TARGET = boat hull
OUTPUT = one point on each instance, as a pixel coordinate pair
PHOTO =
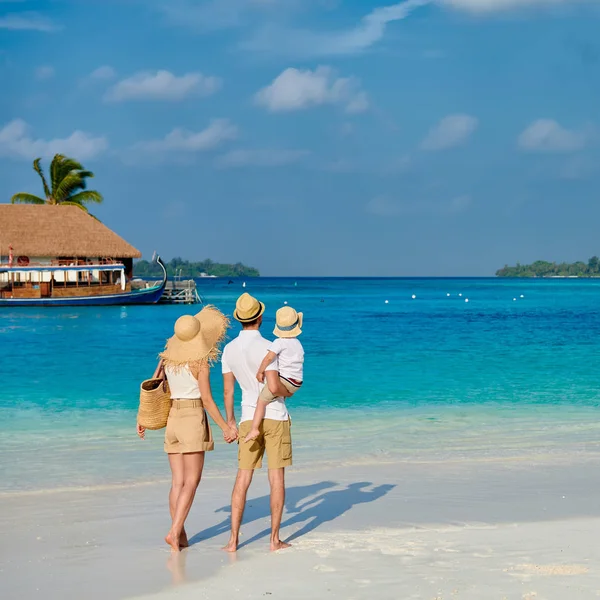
(148, 296)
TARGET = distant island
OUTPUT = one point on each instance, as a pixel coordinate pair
(185, 268)
(542, 268)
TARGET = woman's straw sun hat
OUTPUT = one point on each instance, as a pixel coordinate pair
(248, 309)
(197, 338)
(288, 323)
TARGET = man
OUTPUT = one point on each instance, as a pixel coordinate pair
(241, 360)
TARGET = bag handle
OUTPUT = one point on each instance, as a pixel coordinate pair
(159, 373)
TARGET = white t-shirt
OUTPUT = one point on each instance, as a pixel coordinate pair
(242, 357)
(290, 356)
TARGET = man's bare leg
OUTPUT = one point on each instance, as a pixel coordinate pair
(238, 503)
(259, 415)
(176, 463)
(192, 465)
(277, 482)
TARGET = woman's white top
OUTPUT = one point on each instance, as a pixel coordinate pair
(184, 386)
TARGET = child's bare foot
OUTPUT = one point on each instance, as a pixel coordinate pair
(173, 541)
(279, 545)
(254, 433)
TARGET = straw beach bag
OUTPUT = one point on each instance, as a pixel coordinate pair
(155, 402)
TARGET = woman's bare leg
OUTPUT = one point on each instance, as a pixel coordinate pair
(176, 464)
(192, 473)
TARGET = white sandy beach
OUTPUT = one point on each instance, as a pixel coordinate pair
(525, 529)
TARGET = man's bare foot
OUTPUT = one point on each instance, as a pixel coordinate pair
(254, 433)
(172, 541)
(279, 545)
(183, 540)
(231, 546)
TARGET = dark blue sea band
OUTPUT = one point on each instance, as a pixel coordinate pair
(288, 327)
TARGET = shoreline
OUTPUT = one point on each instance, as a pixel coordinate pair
(341, 520)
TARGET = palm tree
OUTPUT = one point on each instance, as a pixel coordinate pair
(67, 185)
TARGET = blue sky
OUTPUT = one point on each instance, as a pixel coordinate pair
(317, 137)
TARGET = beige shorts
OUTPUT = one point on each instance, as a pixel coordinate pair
(188, 429)
(275, 437)
(268, 397)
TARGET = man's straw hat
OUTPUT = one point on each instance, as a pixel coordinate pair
(248, 309)
(288, 323)
(197, 338)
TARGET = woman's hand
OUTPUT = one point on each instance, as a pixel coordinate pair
(230, 434)
(141, 431)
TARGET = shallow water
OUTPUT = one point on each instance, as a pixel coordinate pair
(513, 372)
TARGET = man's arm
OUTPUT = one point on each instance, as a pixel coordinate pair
(275, 386)
(228, 390)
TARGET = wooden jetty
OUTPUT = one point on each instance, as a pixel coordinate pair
(181, 292)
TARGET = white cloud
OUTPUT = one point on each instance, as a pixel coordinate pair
(44, 72)
(162, 85)
(372, 27)
(27, 21)
(15, 140)
(546, 135)
(451, 131)
(102, 73)
(260, 158)
(182, 140)
(490, 6)
(294, 89)
(383, 206)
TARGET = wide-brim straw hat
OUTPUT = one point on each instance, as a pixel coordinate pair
(197, 339)
(288, 323)
(248, 308)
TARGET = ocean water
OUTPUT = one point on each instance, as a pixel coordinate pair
(512, 374)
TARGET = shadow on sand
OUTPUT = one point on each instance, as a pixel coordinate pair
(302, 507)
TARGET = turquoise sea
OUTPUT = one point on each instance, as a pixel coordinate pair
(512, 374)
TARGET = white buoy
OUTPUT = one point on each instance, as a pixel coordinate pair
(514, 299)
(522, 296)
(448, 295)
(460, 295)
(387, 301)
(244, 284)
(285, 302)
(466, 299)
(413, 296)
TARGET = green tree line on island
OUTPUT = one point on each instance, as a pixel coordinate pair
(188, 269)
(542, 268)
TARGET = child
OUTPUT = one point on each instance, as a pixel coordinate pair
(290, 353)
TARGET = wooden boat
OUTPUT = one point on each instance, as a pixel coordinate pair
(81, 283)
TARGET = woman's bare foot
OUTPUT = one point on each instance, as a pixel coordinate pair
(173, 541)
(183, 540)
(231, 546)
(279, 545)
(252, 435)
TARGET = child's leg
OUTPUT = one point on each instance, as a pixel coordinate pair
(259, 415)
(266, 397)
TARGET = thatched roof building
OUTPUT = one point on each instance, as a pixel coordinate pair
(58, 231)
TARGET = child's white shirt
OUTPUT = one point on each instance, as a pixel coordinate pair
(290, 356)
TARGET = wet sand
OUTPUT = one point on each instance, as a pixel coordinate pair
(524, 529)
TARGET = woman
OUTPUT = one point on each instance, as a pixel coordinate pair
(186, 363)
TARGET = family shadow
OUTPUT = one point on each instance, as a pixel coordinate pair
(309, 506)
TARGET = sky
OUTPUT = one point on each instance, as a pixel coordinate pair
(317, 137)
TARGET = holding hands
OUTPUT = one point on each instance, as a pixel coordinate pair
(230, 433)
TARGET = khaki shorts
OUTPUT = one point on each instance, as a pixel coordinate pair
(187, 428)
(268, 397)
(275, 437)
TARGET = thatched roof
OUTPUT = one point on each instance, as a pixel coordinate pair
(51, 231)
